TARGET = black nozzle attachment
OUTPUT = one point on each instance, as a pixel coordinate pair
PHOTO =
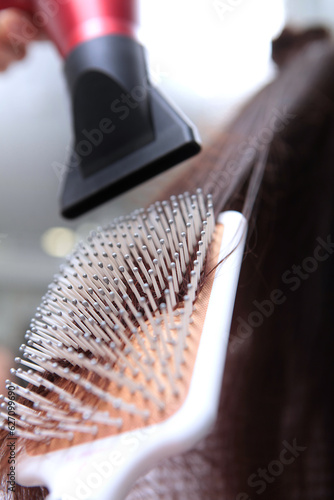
(125, 131)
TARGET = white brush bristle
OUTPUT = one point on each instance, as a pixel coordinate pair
(134, 281)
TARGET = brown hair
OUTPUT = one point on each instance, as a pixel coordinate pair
(278, 385)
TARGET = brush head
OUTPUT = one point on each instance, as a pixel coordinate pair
(136, 361)
(112, 346)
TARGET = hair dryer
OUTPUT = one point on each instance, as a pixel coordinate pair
(125, 131)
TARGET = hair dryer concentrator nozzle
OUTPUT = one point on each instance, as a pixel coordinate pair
(125, 131)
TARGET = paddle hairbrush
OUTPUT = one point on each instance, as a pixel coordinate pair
(125, 355)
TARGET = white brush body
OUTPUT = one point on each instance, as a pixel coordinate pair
(107, 469)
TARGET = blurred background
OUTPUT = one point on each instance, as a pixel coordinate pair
(207, 56)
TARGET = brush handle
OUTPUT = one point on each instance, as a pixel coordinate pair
(70, 23)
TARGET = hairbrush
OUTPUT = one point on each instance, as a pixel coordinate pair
(125, 355)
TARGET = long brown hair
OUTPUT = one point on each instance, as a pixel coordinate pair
(277, 398)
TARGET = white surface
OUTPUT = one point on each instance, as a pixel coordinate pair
(107, 469)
